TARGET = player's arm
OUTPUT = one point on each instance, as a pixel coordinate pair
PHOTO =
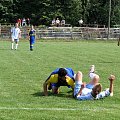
(11, 31)
(111, 79)
(20, 34)
(82, 87)
(45, 88)
(28, 35)
(109, 91)
(45, 85)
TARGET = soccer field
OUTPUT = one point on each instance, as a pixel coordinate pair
(22, 73)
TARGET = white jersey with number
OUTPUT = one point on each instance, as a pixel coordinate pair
(89, 96)
(15, 33)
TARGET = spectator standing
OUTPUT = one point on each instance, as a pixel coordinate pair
(57, 22)
(53, 22)
(19, 22)
(28, 22)
(63, 23)
(80, 22)
(23, 22)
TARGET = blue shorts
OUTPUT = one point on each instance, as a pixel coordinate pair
(89, 86)
(32, 41)
(56, 85)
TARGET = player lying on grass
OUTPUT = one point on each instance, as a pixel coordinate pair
(59, 77)
(81, 92)
(65, 77)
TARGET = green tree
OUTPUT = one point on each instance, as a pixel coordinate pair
(115, 14)
(72, 11)
(98, 12)
(42, 12)
(6, 11)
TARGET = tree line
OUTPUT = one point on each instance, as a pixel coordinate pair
(41, 12)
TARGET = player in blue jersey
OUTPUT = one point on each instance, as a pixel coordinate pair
(83, 92)
(32, 37)
(59, 77)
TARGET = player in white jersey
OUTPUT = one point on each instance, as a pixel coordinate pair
(92, 90)
(15, 34)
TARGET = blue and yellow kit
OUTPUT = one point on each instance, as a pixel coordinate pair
(53, 78)
(32, 36)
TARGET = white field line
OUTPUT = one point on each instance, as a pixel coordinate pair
(53, 109)
(49, 109)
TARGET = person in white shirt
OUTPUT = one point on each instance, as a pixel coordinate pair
(63, 23)
(80, 22)
(57, 22)
(53, 22)
(23, 22)
(83, 92)
(15, 34)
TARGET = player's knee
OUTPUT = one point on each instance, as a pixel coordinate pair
(96, 78)
(78, 75)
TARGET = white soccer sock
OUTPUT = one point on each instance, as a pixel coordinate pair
(16, 46)
(92, 75)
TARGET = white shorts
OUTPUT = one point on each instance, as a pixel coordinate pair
(15, 40)
(85, 91)
(77, 87)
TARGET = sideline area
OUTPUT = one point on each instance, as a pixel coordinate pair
(86, 33)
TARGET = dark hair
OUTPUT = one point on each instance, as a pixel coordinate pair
(62, 72)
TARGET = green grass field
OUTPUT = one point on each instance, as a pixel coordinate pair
(23, 72)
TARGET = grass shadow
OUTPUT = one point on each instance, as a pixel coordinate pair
(38, 94)
(4, 49)
(61, 94)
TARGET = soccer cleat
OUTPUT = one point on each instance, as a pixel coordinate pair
(92, 69)
(111, 94)
(31, 49)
